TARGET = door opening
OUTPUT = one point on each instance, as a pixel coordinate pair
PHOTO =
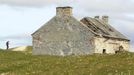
(104, 51)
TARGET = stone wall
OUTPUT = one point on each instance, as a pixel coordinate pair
(110, 45)
(63, 35)
(64, 11)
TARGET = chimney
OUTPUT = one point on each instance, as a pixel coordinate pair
(97, 17)
(64, 10)
(105, 19)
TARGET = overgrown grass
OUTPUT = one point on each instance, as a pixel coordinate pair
(18, 63)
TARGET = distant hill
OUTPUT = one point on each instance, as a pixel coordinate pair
(1, 49)
(22, 49)
(20, 63)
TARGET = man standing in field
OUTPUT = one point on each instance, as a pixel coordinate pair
(7, 45)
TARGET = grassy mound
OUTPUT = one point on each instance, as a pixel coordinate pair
(20, 63)
(27, 49)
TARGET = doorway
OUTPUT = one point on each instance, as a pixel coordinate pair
(104, 51)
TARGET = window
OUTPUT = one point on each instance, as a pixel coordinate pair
(121, 48)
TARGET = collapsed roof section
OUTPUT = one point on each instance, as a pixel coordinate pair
(102, 28)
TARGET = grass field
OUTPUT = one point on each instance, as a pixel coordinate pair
(21, 63)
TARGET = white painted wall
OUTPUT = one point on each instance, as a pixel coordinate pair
(111, 45)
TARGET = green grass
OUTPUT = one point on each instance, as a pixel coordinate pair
(20, 63)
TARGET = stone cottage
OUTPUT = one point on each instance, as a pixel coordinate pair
(65, 35)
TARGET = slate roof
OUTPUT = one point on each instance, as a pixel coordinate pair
(101, 28)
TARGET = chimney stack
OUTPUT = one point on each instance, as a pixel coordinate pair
(97, 17)
(105, 19)
(64, 10)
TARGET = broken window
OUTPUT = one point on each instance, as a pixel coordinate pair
(121, 48)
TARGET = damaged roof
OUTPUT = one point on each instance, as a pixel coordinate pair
(101, 28)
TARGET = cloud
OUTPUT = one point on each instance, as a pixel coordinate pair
(20, 36)
(90, 5)
(108, 5)
(35, 2)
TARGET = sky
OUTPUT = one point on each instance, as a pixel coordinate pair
(20, 18)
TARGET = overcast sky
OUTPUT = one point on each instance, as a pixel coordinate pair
(20, 18)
